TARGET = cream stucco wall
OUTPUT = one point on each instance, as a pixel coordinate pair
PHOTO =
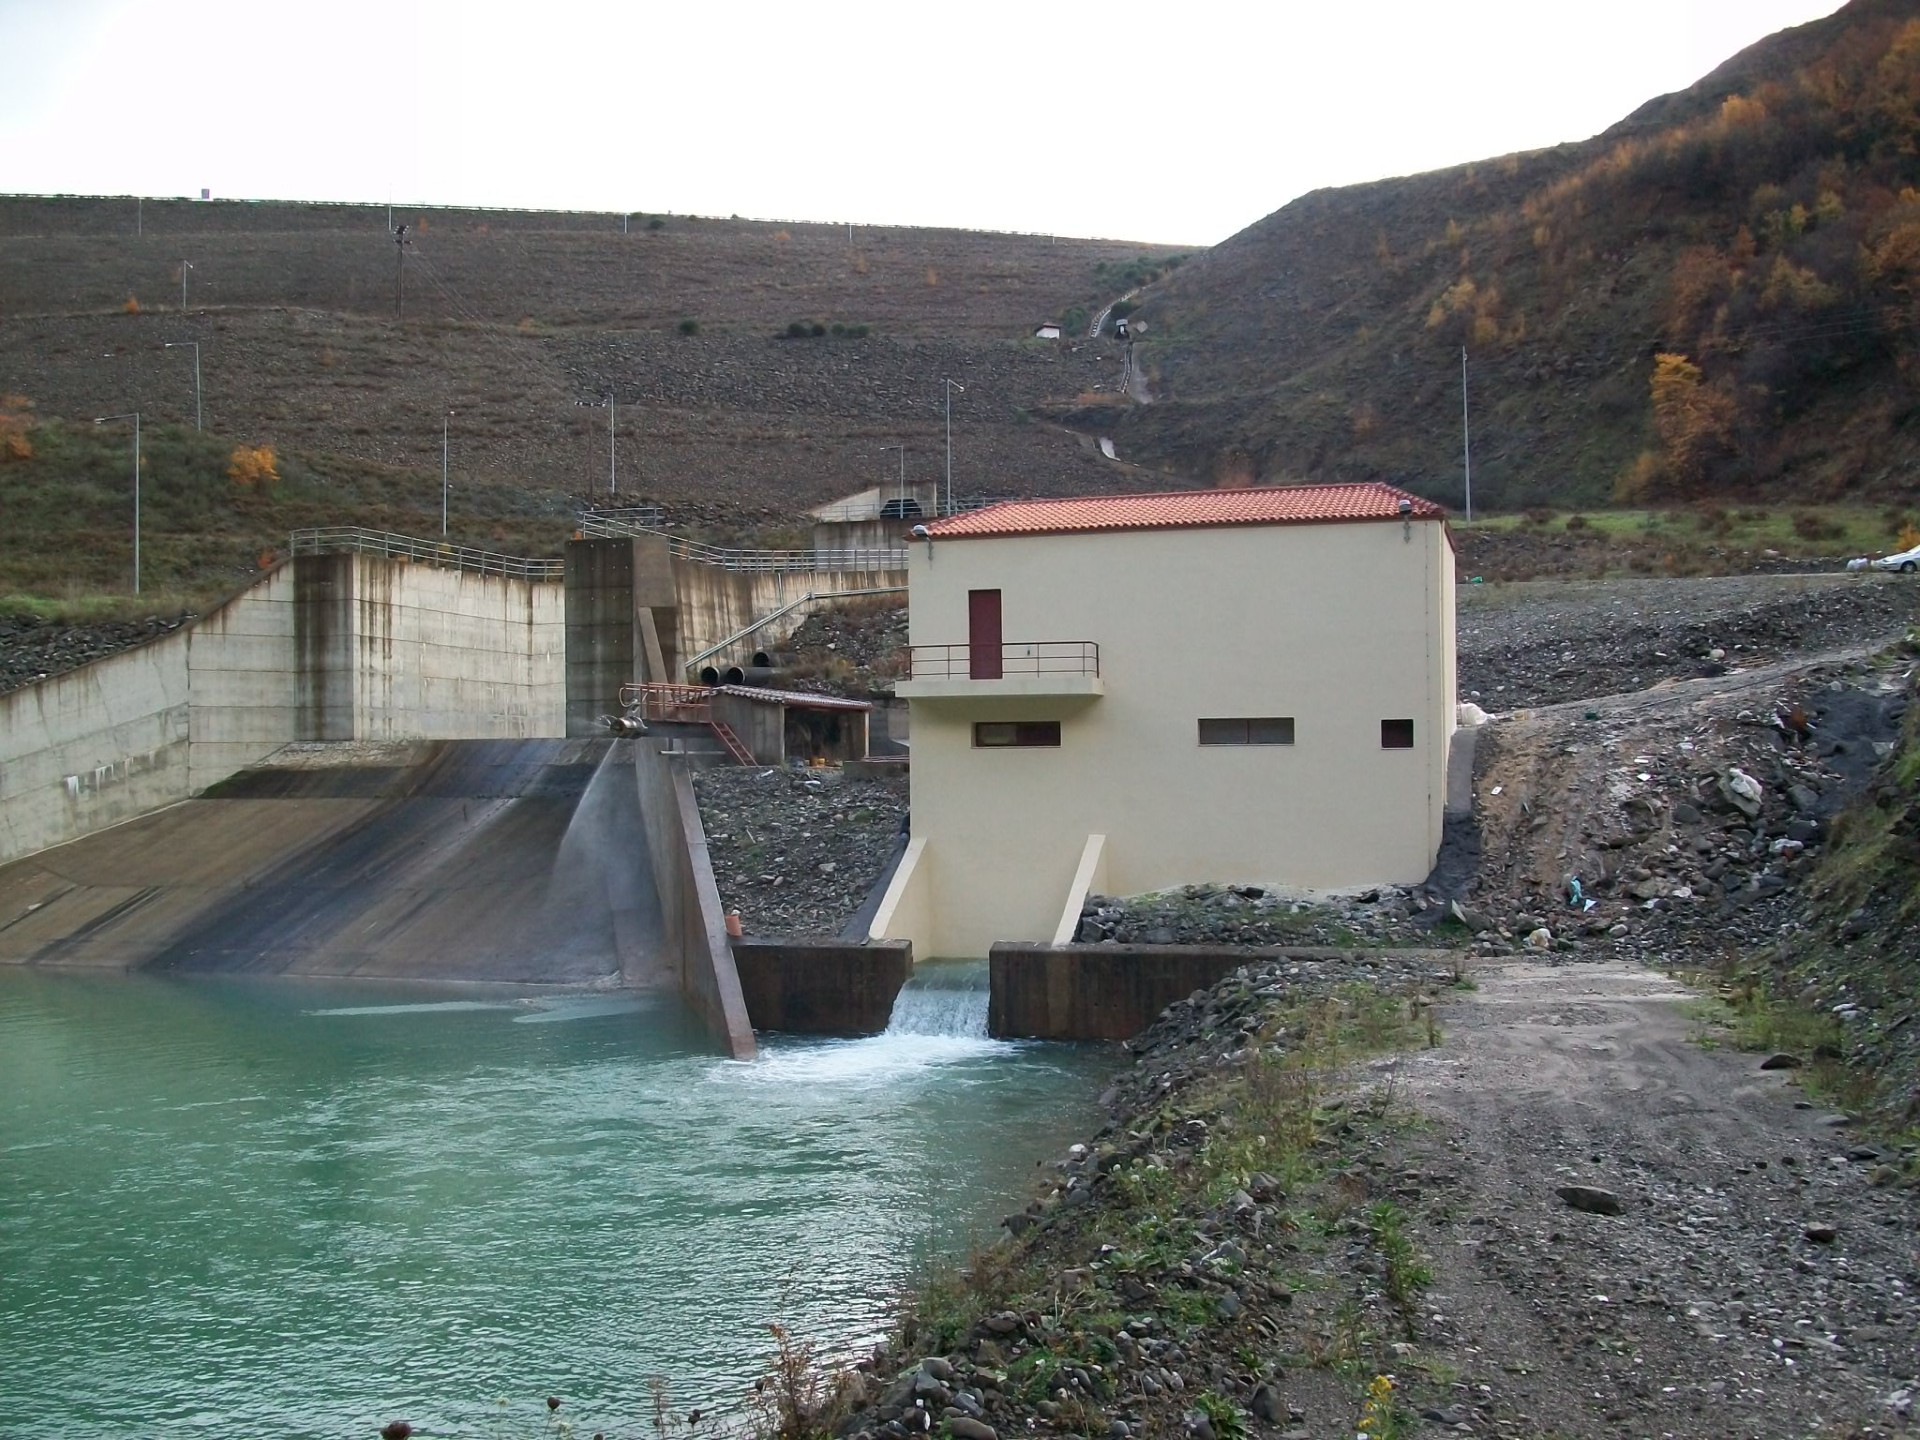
(1338, 626)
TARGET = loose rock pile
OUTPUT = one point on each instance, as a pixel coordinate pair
(796, 851)
(1654, 823)
(1252, 915)
(32, 649)
(855, 649)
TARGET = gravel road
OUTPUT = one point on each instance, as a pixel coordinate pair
(1761, 1278)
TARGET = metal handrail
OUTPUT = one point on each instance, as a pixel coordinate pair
(637, 514)
(763, 561)
(335, 539)
(810, 598)
(686, 703)
(1017, 657)
(852, 511)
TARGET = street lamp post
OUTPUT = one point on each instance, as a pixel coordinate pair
(1466, 434)
(445, 420)
(903, 466)
(184, 267)
(193, 345)
(948, 387)
(613, 479)
(133, 415)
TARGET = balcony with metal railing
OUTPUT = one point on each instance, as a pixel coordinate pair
(1019, 669)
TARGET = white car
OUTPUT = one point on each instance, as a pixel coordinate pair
(1907, 561)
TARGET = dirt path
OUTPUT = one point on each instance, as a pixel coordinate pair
(1713, 1305)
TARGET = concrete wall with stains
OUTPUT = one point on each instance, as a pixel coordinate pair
(330, 647)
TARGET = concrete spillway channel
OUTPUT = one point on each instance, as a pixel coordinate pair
(504, 860)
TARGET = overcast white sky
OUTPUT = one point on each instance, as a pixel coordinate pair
(1178, 122)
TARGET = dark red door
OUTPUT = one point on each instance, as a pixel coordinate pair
(983, 634)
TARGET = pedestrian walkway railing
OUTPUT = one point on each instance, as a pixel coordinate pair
(870, 558)
(341, 539)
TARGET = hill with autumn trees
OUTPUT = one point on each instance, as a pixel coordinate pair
(1715, 298)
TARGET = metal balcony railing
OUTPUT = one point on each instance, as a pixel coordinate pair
(1017, 657)
(338, 539)
(878, 558)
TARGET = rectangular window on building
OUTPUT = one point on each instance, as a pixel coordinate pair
(1000, 734)
(1396, 734)
(1255, 730)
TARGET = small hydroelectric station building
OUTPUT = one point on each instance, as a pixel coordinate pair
(1119, 694)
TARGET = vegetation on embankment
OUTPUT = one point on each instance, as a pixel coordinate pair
(1843, 993)
(1713, 298)
(212, 514)
(523, 324)
(1702, 539)
(1238, 1247)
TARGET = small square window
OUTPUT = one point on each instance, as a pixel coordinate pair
(1396, 734)
(1003, 734)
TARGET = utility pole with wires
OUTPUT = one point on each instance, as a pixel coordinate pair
(613, 477)
(948, 388)
(1466, 434)
(445, 420)
(199, 409)
(400, 273)
(184, 267)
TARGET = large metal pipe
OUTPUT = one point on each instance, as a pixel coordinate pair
(709, 675)
(762, 660)
(758, 675)
(734, 676)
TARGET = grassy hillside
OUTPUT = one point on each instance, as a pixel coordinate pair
(521, 325)
(1761, 230)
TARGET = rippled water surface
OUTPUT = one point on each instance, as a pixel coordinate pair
(286, 1208)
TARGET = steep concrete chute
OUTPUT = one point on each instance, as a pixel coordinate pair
(521, 861)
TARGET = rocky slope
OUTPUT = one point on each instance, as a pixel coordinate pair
(796, 851)
(32, 649)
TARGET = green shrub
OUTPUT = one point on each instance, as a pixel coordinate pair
(689, 326)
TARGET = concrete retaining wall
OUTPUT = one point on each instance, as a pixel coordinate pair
(712, 603)
(615, 588)
(821, 987)
(1111, 992)
(149, 726)
(693, 923)
(326, 647)
(450, 654)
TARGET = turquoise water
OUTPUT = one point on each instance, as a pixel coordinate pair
(287, 1208)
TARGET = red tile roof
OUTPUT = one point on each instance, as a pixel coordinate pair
(1178, 509)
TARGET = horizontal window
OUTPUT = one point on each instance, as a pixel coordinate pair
(998, 734)
(1254, 730)
(1396, 734)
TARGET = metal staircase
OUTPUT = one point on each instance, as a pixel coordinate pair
(732, 741)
